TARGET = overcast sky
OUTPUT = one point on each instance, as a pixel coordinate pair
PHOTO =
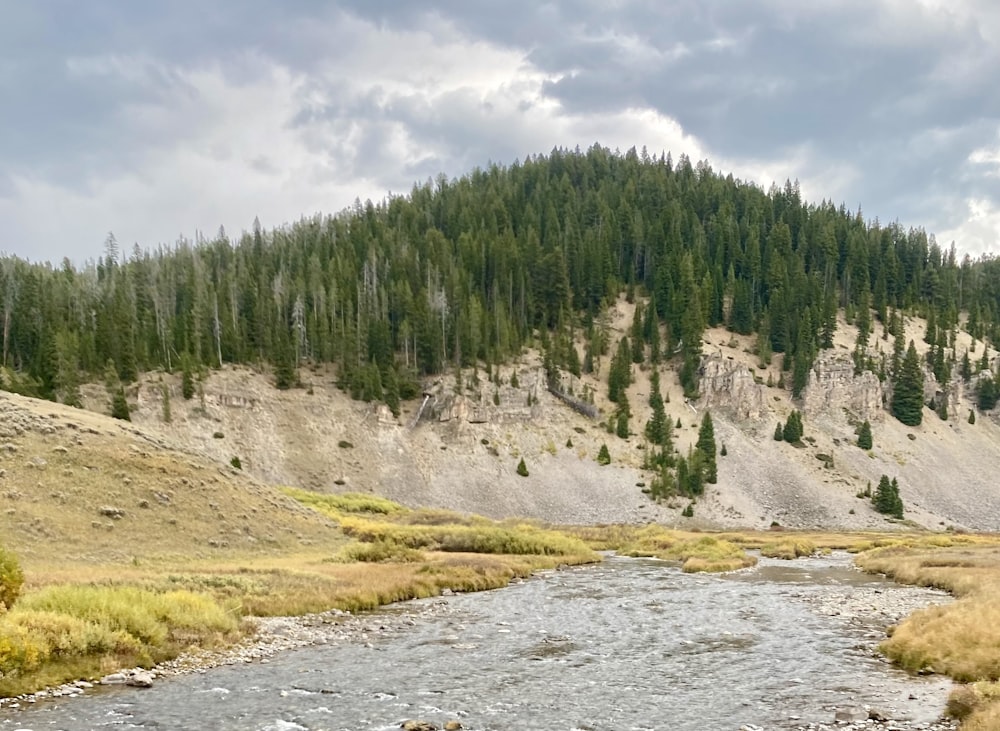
(156, 120)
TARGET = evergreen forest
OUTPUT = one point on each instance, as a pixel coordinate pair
(468, 271)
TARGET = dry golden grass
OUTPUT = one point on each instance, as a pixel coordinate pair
(790, 548)
(697, 552)
(961, 639)
(81, 616)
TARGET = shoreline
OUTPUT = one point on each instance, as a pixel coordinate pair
(869, 608)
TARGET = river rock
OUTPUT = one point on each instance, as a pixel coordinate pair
(140, 679)
(850, 715)
(452, 726)
(113, 679)
(412, 725)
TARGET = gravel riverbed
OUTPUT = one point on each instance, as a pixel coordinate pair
(867, 608)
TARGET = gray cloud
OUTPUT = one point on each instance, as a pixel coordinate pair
(297, 106)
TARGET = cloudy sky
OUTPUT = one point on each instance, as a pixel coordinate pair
(157, 120)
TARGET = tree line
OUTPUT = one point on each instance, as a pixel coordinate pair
(467, 271)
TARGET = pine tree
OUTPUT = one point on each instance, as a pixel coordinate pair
(897, 501)
(119, 405)
(966, 368)
(187, 377)
(908, 390)
(865, 435)
(779, 433)
(886, 498)
(165, 403)
(621, 423)
(972, 416)
(792, 432)
(883, 499)
(619, 374)
(987, 393)
(706, 445)
(603, 455)
(522, 468)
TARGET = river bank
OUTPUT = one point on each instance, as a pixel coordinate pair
(866, 609)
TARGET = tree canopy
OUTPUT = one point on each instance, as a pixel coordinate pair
(468, 270)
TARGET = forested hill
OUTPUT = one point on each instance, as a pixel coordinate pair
(467, 271)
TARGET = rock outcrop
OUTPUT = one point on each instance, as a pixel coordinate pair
(834, 388)
(730, 387)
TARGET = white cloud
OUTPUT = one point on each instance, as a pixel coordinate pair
(979, 229)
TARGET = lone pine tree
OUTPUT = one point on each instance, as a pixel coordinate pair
(865, 435)
(706, 445)
(908, 390)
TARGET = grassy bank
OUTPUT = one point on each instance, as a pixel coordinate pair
(961, 639)
(82, 621)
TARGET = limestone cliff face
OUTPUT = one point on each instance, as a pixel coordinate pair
(477, 404)
(833, 388)
(729, 386)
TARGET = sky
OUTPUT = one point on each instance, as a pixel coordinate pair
(156, 121)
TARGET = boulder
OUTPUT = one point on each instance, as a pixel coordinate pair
(413, 725)
(140, 679)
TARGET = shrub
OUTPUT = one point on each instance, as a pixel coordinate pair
(379, 551)
(11, 579)
(522, 468)
(235, 462)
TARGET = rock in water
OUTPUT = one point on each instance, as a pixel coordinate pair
(412, 725)
(141, 679)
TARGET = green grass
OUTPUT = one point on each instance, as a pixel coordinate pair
(351, 502)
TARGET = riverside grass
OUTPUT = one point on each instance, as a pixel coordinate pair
(59, 632)
(75, 622)
(960, 639)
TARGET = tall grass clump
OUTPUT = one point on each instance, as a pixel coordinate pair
(351, 502)
(65, 632)
(489, 538)
(789, 549)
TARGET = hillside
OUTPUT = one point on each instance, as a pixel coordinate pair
(81, 488)
(463, 452)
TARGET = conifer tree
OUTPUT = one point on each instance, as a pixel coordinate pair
(706, 445)
(792, 433)
(522, 468)
(603, 455)
(908, 390)
(779, 433)
(865, 435)
(886, 498)
(619, 374)
(987, 393)
(187, 377)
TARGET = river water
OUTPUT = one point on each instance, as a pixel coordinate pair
(629, 644)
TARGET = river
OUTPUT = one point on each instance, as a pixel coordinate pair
(628, 644)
